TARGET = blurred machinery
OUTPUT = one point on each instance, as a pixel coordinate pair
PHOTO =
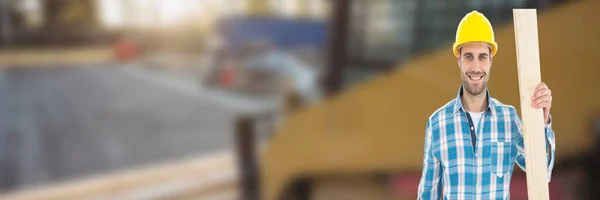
(266, 56)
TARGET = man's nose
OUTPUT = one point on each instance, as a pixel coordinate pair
(478, 65)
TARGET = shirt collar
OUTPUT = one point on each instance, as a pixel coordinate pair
(459, 106)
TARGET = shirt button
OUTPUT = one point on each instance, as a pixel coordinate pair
(471, 128)
(476, 154)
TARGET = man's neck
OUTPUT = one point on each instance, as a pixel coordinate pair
(474, 103)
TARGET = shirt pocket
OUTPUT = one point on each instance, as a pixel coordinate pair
(500, 157)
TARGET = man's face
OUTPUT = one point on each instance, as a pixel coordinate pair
(475, 62)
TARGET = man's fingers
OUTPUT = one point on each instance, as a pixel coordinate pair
(545, 104)
(540, 86)
(542, 99)
(540, 93)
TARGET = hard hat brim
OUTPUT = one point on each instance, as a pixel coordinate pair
(456, 47)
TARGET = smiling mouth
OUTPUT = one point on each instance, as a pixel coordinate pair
(475, 78)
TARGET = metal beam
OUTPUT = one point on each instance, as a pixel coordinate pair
(247, 158)
(6, 22)
(338, 43)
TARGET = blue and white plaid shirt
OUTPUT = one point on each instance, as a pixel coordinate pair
(454, 169)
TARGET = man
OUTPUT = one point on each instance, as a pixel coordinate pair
(473, 141)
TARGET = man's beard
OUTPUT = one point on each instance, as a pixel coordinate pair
(472, 90)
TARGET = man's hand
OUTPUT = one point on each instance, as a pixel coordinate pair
(542, 98)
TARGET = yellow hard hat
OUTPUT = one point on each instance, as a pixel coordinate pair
(474, 27)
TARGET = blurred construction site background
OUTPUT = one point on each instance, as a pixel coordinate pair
(265, 99)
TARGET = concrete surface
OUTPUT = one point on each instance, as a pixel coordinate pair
(62, 123)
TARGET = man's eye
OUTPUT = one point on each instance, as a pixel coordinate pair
(469, 57)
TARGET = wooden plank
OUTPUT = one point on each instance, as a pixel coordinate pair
(197, 177)
(41, 58)
(528, 64)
